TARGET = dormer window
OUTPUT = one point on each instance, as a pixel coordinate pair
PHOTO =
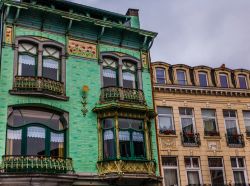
(160, 75)
(181, 77)
(203, 79)
(224, 80)
(242, 81)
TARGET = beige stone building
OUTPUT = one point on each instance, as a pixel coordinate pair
(203, 124)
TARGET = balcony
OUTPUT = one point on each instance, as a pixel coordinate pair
(36, 164)
(24, 85)
(167, 132)
(235, 141)
(211, 133)
(190, 139)
(122, 94)
(126, 167)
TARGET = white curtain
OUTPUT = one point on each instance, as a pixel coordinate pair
(170, 177)
(128, 76)
(58, 138)
(14, 134)
(124, 136)
(239, 177)
(193, 177)
(50, 63)
(137, 136)
(26, 59)
(36, 132)
(231, 126)
(108, 135)
(109, 73)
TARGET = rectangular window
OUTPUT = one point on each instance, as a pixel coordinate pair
(246, 115)
(203, 79)
(160, 75)
(242, 81)
(231, 122)
(239, 171)
(26, 65)
(51, 69)
(165, 120)
(224, 80)
(216, 171)
(187, 120)
(181, 77)
(209, 121)
(192, 165)
(170, 170)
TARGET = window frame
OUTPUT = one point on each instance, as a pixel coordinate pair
(217, 168)
(171, 116)
(210, 117)
(162, 78)
(163, 167)
(188, 117)
(185, 77)
(206, 75)
(227, 78)
(115, 69)
(192, 168)
(231, 118)
(238, 168)
(245, 79)
(246, 118)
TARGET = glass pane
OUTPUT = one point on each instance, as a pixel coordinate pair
(187, 162)
(109, 77)
(233, 162)
(181, 77)
(217, 177)
(229, 113)
(209, 124)
(27, 65)
(138, 142)
(242, 81)
(239, 177)
(223, 81)
(108, 144)
(231, 127)
(203, 79)
(171, 177)
(51, 69)
(128, 80)
(193, 177)
(164, 110)
(108, 123)
(160, 75)
(169, 161)
(186, 111)
(208, 113)
(165, 123)
(241, 162)
(246, 114)
(195, 162)
(57, 144)
(187, 125)
(130, 123)
(124, 141)
(36, 141)
(215, 162)
(14, 139)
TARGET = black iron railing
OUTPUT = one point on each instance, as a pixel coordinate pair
(235, 140)
(122, 94)
(38, 84)
(190, 139)
(36, 164)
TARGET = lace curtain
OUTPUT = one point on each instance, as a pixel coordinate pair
(14, 134)
(128, 76)
(27, 60)
(109, 73)
(57, 138)
(124, 136)
(50, 63)
(137, 136)
(36, 132)
(108, 135)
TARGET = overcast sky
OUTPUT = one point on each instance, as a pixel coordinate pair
(192, 32)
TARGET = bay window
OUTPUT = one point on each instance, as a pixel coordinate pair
(34, 131)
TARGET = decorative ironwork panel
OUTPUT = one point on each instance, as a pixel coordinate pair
(190, 139)
(37, 164)
(39, 84)
(120, 167)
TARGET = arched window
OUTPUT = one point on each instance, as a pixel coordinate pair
(35, 131)
(51, 63)
(109, 72)
(129, 75)
(27, 59)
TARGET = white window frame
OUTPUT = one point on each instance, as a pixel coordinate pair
(245, 77)
(246, 118)
(210, 117)
(164, 74)
(193, 169)
(232, 118)
(205, 73)
(226, 75)
(188, 117)
(235, 169)
(171, 168)
(166, 115)
(217, 168)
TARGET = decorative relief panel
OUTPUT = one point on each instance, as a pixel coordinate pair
(213, 145)
(8, 35)
(82, 49)
(145, 60)
(167, 143)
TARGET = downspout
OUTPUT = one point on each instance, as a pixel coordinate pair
(1, 35)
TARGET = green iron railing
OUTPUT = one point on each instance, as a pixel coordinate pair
(36, 164)
(39, 84)
(122, 94)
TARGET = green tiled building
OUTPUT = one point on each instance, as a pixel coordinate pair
(76, 102)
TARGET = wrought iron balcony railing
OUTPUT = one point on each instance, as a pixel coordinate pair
(122, 94)
(190, 139)
(167, 132)
(38, 84)
(235, 141)
(211, 133)
(128, 166)
(36, 164)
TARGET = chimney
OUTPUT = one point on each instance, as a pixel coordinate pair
(134, 17)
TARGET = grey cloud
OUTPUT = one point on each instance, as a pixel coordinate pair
(194, 32)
